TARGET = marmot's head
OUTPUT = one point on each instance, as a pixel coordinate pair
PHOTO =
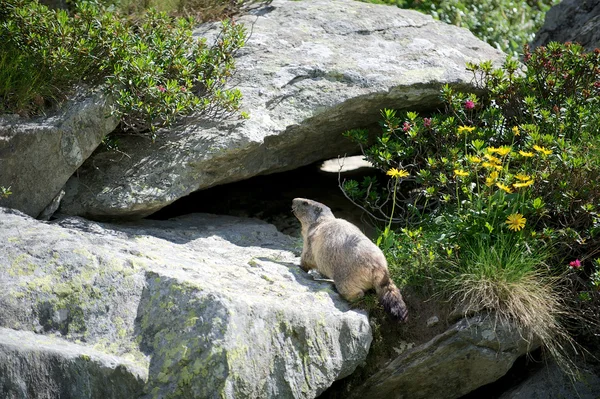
(309, 211)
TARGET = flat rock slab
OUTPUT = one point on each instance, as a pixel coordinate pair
(472, 353)
(37, 156)
(208, 306)
(39, 366)
(310, 71)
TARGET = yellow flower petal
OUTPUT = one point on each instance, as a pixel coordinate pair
(504, 187)
(474, 159)
(491, 179)
(516, 131)
(491, 166)
(523, 184)
(460, 173)
(522, 177)
(515, 222)
(463, 129)
(492, 158)
(526, 154)
(543, 150)
(503, 151)
(395, 173)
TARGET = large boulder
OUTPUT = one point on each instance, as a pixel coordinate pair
(571, 21)
(37, 156)
(195, 307)
(310, 70)
(473, 352)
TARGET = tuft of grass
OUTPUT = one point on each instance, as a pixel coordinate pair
(512, 280)
(22, 84)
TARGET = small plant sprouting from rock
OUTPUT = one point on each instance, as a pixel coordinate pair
(5, 192)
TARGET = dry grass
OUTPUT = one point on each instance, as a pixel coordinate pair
(512, 282)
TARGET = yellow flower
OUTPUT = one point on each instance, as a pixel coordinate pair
(503, 151)
(490, 165)
(395, 173)
(522, 177)
(504, 187)
(492, 158)
(516, 131)
(515, 222)
(463, 129)
(460, 173)
(474, 159)
(523, 184)
(491, 179)
(543, 150)
(526, 154)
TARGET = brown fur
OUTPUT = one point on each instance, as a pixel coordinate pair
(339, 250)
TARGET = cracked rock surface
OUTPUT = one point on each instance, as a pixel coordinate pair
(310, 71)
(200, 306)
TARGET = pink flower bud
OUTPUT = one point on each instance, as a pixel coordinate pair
(576, 264)
(469, 104)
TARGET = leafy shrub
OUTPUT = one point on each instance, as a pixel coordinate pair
(161, 73)
(530, 149)
(203, 10)
(505, 24)
(151, 66)
(494, 195)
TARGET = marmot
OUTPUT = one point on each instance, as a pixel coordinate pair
(339, 250)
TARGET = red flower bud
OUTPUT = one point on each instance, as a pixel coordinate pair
(576, 264)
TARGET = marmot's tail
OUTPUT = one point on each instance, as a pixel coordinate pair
(389, 296)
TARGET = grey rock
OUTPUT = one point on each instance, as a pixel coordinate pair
(209, 306)
(551, 382)
(432, 321)
(310, 71)
(37, 156)
(38, 366)
(571, 21)
(474, 352)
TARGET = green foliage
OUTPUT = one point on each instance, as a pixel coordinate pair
(162, 73)
(505, 24)
(493, 195)
(151, 66)
(530, 149)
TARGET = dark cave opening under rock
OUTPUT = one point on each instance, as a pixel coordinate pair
(269, 197)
